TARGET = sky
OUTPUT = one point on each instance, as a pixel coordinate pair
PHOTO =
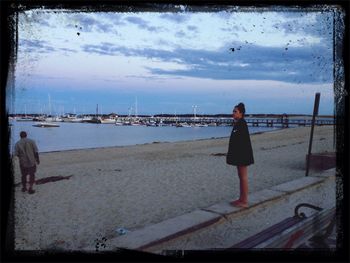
(272, 60)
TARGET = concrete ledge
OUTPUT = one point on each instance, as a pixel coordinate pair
(325, 174)
(225, 209)
(297, 185)
(248, 222)
(264, 196)
(176, 228)
(164, 231)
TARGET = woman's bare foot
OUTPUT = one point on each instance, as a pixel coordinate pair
(235, 202)
(239, 203)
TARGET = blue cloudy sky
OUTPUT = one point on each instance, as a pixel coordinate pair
(273, 61)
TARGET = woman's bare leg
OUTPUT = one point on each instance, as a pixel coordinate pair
(243, 187)
(243, 183)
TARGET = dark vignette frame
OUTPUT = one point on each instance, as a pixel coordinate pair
(9, 10)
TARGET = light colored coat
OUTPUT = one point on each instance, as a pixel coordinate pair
(26, 150)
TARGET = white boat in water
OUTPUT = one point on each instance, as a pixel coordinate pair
(119, 123)
(200, 125)
(108, 121)
(53, 119)
(183, 124)
(39, 118)
(24, 118)
(46, 125)
(151, 123)
(71, 119)
(136, 123)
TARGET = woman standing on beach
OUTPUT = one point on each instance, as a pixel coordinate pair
(240, 153)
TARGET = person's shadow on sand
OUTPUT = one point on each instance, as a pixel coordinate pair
(50, 179)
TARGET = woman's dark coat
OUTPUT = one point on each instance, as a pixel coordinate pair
(240, 148)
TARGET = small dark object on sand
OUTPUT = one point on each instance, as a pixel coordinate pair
(219, 154)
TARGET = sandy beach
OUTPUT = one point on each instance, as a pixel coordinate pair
(135, 186)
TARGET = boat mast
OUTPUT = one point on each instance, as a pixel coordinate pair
(194, 110)
(49, 104)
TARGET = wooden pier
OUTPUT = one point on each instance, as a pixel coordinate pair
(285, 123)
(255, 122)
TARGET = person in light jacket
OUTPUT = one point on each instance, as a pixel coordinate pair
(27, 152)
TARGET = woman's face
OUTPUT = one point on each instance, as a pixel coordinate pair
(236, 114)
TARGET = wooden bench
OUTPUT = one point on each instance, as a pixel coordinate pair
(293, 231)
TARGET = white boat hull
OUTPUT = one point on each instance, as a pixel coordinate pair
(108, 121)
(46, 125)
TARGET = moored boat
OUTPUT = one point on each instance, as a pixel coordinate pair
(94, 120)
(71, 118)
(200, 125)
(183, 124)
(46, 125)
(118, 122)
(24, 118)
(108, 121)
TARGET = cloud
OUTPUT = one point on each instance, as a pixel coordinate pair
(44, 23)
(39, 18)
(231, 30)
(141, 23)
(311, 64)
(180, 34)
(87, 23)
(176, 17)
(38, 46)
(68, 50)
(192, 28)
(112, 17)
(259, 63)
(318, 25)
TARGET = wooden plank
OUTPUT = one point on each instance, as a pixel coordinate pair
(268, 233)
(289, 233)
(300, 232)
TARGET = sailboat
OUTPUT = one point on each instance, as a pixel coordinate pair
(48, 121)
(25, 117)
(135, 120)
(95, 119)
(71, 118)
(111, 119)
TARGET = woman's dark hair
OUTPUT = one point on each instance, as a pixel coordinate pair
(240, 106)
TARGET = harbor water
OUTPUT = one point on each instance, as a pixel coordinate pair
(70, 136)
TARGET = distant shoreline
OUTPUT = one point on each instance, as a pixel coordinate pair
(220, 115)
